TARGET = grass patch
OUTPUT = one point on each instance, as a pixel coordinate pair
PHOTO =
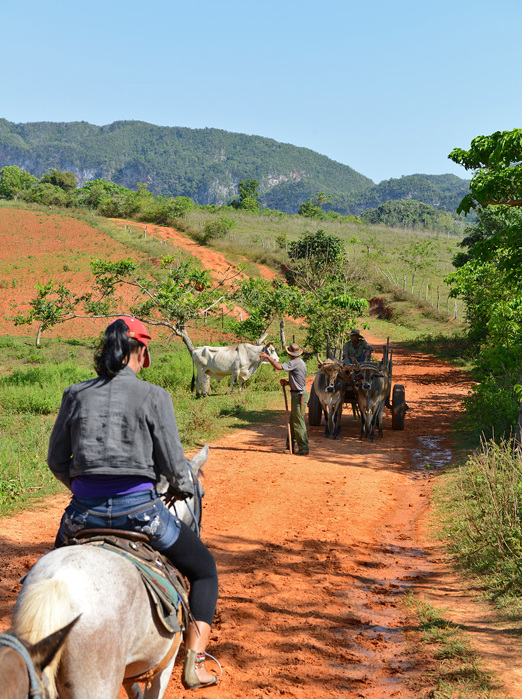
(451, 667)
(24, 475)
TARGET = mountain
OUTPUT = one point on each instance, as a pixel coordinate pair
(440, 191)
(207, 164)
(204, 164)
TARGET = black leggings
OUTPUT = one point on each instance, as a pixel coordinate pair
(192, 558)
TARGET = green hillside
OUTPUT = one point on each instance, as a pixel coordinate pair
(207, 164)
(204, 164)
(440, 191)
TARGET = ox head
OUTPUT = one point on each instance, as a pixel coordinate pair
(332, 370)
(363, 374)
(270, 350)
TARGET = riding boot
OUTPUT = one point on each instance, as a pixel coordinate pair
(190, 679)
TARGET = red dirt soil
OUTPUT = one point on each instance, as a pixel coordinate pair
(211, 259)
(38, 246)
(315, 553)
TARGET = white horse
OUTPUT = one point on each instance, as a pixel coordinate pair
(117, 638)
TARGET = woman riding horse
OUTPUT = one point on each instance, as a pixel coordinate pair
(114, 438)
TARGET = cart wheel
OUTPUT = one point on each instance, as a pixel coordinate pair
(315, 412)
(398, 407)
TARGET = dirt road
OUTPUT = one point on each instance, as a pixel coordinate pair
(314, 553)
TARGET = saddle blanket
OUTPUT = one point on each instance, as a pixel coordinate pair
(164, 583)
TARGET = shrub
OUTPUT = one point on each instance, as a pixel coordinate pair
(216, 228)
(485, 515)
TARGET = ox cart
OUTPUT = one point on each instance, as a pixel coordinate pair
(395, 401)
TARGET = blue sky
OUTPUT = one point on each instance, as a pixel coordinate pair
(388, 88)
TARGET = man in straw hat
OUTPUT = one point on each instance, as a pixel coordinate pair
(297, 381)
(356, 348)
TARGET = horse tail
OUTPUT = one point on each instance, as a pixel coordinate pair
(43, 608)
(193, 382)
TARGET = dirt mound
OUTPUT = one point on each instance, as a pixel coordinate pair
(379, 308)
(38, 246)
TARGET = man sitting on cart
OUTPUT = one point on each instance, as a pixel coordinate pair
(356, 349)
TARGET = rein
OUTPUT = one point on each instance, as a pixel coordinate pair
(37, 686)
(196, 512)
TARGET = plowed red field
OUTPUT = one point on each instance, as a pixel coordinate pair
(38, 246)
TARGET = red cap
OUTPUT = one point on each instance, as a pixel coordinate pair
(139, 332)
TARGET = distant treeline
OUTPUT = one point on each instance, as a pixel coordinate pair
(105, 198)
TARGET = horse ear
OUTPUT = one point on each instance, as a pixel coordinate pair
(44, 651)
(197, 462)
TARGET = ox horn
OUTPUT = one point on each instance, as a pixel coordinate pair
(319, 360)
(261, 339)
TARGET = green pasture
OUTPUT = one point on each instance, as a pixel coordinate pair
(374, 250)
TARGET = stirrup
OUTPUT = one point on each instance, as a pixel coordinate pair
(193, 660)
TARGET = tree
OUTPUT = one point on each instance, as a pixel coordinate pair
(312, 206)
(216, 228)
(56, 303)
(496, 162)
(417, 256)
(248, 196)
(489, 277)
(181, 294)
(107, 198)
(48, 195)
(266, 300)
(329, 315)
(64, 180)
(331, 302)
(315, 259)
(15, 182)
(411, 214)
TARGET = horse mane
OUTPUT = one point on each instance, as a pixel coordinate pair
(41, 609)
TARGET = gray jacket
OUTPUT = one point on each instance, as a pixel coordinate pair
(121, 426)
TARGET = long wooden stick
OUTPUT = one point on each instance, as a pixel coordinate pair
(288, 421)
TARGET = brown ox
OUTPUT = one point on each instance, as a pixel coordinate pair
(329, 387)
(372, 384)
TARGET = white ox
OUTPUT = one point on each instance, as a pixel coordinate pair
(239, 361)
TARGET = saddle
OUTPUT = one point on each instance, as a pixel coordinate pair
(165, 585)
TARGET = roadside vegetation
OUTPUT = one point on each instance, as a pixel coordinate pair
(452, 669)
(479, 496)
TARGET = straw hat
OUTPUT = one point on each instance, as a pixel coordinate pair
(294, 350)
